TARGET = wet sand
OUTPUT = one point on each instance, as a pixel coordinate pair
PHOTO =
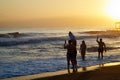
(102, 73)
(109, 71)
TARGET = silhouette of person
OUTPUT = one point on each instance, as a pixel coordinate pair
(74, 42)
(101, 48)
(83, 50)
(70, 56)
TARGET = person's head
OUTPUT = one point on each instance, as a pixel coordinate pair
(70, 32)
(83, 42)
(100, 39)
(69, 41)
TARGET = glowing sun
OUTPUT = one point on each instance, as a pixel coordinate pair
(113, 8)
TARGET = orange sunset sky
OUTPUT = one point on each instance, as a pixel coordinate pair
(58, 13)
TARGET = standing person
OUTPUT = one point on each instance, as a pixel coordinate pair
(101, 48)
(83, 50)
(74, 42)
(70, 56)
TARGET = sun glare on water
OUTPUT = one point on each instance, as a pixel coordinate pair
(113, 8)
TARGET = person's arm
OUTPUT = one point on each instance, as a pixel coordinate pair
(97, 39)
(65, 45)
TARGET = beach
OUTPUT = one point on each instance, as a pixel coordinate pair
(38, 39)
(104, 73)
(108, 71)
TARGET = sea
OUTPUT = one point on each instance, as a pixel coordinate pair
(40, 50)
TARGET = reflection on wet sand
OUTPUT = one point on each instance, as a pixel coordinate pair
(61, 72)
(101, 65)
(83, 69)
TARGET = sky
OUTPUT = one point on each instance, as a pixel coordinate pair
(54, 13)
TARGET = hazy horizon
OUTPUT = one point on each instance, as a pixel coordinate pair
(57, 13)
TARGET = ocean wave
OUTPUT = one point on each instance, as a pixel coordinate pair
(106, 34)
(29, 38)
(95, 49)
(49, 55)
(16, 38)
(11, 42)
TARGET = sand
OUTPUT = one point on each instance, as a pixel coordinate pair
(109, 71)
(103, 73)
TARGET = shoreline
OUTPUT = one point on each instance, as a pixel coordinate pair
(103, 73)
(41, 76)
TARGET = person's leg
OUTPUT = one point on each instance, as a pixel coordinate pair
(84, 57)
(73, 65)
(99, 50)
(73, 68)
(68, 65)
(98, 55)
(102, 55)
(74, 61)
